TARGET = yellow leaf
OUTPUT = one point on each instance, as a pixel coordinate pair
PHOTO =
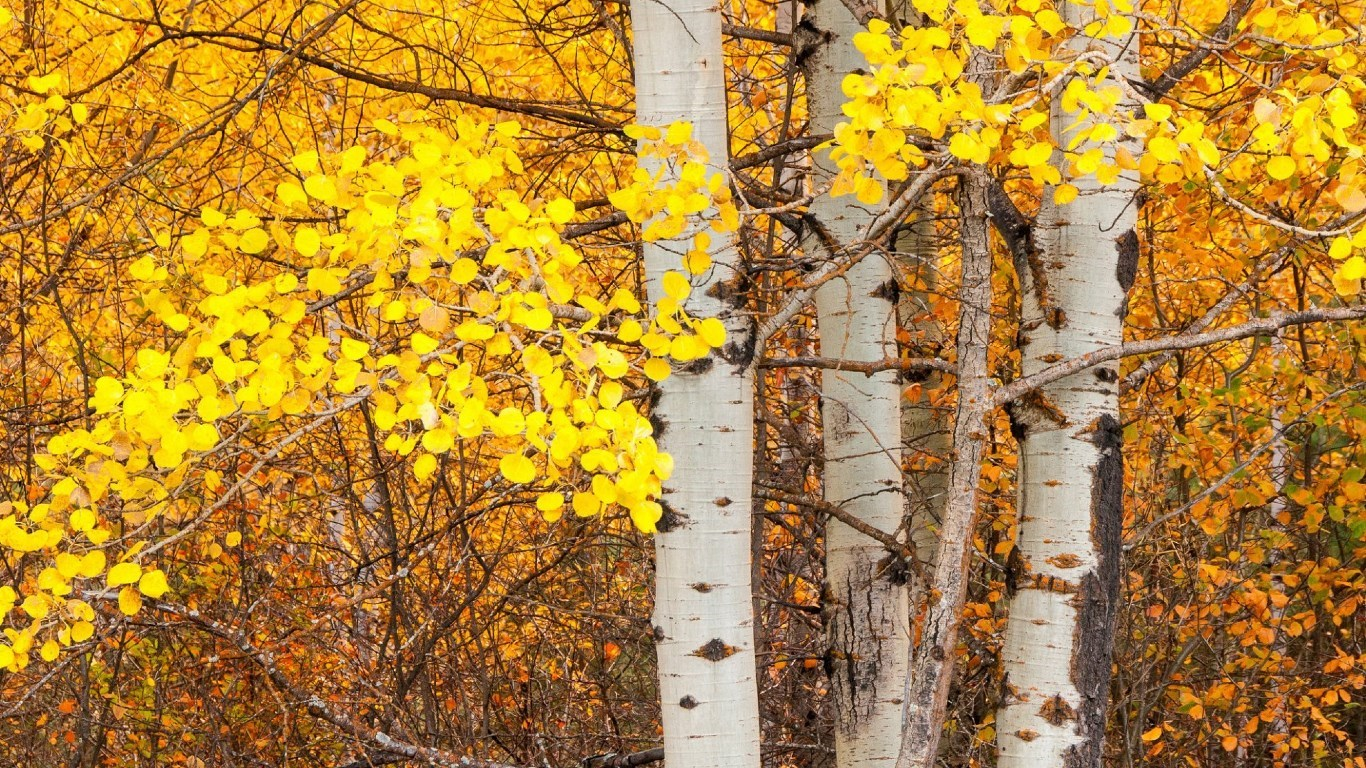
(211, 217)
(560, 211)
(678, 134)
(35, 606)
(233, 538)
(354, 349)
(123, 573)
(307, 241)
(586, 504)
(1353, 268)
(153, 584)
(712, 331)
(1049, 21)
(1158, 112)
(1280, 167)
(1153, 734)
(1341, 248)
(50, 650)
(676, 286)
(130, 601)
(321, 188)
(424, 466)
(1351, 198)
(657, 369)
(438, 440)
(1064, 194)
(517, 468)
(82, 631)
(423, 344)
(92, 564)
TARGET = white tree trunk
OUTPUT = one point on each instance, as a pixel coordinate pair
(704, 617)
(866, 620)
(1065, 567)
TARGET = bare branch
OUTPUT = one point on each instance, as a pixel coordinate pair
(1258, 327)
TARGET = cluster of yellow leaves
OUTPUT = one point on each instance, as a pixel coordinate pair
(916, 101)
(478, 323)
(49, 116)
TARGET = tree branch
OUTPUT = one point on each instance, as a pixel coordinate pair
(860, 366)
(1257, 327)
(1218, 38)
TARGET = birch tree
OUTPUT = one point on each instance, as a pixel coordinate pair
(865, 592)
(1065, 570)
(703, 621)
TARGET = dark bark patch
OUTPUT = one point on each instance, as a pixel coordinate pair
(1106, 374)
(1098, 599)
(715, 650)
(889, 291)
(1126, 267)
(732, 292)
(1057, 711)
(894, 569)
(739, 352)
(723, 501)
(1067, 560)
(670, 519)
(687, 702)
(699, 366)
(1026, 734)
(657, 633)
(1031, 411)
(701, 586)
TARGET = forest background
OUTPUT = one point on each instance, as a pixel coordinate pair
(339, 336)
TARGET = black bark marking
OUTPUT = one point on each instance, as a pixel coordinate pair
(894, 569)
(740, 352)
(889, 291)
(670, 519)
(657, 633)
(1126, 267)
(1031, 411)
(1057, 711)
(699, 366)
(715, 650)
(1098, 600)
(732, 292)
(807, 40)
(687, 702)
(1106, 374)
(701, 586)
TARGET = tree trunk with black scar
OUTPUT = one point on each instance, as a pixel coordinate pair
(865, 596)
(704, 613)
(1066, 570)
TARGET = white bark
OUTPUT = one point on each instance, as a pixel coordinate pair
(1065, 569)
(867, 626)
(704, 618)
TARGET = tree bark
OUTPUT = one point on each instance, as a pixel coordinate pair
(931, 670)
(1065, 570)
(704, 616)
(865, 601)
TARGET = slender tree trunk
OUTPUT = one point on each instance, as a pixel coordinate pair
(704, 615)
(925, 422)
(931, 671)
(865, 600)
(1065, 567)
